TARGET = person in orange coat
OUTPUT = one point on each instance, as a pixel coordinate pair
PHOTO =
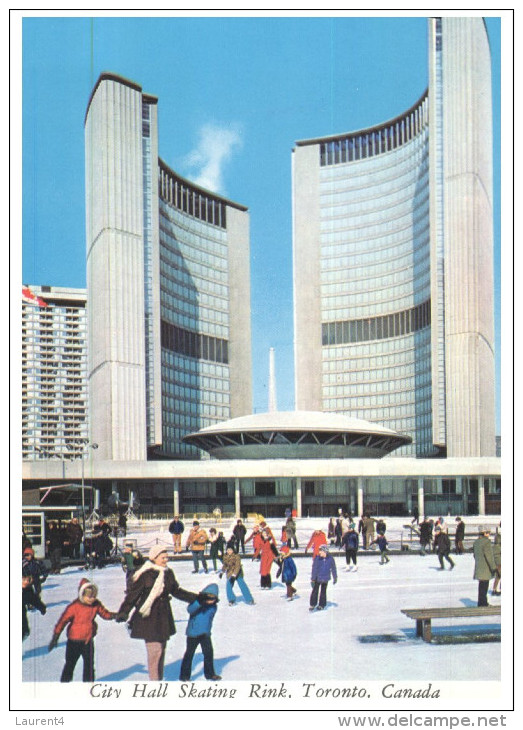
(80, 615)
(318, 539)
(268, 551)
(255, 536)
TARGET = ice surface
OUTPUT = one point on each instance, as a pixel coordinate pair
(361, 635)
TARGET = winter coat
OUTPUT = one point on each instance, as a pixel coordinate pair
(331, 529)
(350, 540)
(239, 531)
(484, 561)
(496, 549)
(55, 538)
(425, 532)
(37, 572)
(323, 568)
(460, 532)
(217, 545)
(197, 539)
(176, 527)
(289, 570)
(74, 533)
(442, 543)
(290, 528)
(158, 624)
(232, 565)
(369, 524)
(201, 616)
(266, 550)
(381, 541)
(317, 540)
(79, 617)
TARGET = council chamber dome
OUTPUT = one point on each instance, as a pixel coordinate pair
(297, 435)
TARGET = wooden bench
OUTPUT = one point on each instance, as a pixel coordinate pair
(424, 616)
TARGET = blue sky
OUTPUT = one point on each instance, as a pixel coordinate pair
(234, 95)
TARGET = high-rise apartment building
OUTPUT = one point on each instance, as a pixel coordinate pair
(54, 374)
(393, 260)
(168, 282)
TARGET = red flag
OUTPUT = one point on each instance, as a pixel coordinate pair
(28, 296)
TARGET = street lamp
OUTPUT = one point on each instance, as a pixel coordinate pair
(84, 452)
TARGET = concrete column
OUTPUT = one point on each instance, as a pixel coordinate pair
(237, 506)
(360, 496)
(481, 495)
(421, 499)
(96, 502)
(298, 496)
(176, 497)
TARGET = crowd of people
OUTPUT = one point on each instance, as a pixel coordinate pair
(150, 582)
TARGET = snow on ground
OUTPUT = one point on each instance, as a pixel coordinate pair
(362, 634)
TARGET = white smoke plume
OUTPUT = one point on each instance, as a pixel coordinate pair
(216, 145)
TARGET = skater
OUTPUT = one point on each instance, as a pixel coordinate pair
(496, 549)
(30, 599)
(55, 545)
(323, 567)
(350, 542)
(79, 617)
(36, 569)
(442, 542)
(459, 536)
(232, 567)
(255, 536)
(217, 542)
(338, 532)
(288, 571)
(381, 526)
(362, 530)
(370, 523)
(176, 528)
(290, 529)
(74, 534)
(196, 544)
(267, 551)
(318, 539)
(484, 563)
(152, 619)
(239, 533)
(415, 516)
(132, 559)
(331, 531)
(201, 612)
(382, 542)
(425, 535)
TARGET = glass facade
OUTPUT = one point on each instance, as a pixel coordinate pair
(375, 277)
(194, 296)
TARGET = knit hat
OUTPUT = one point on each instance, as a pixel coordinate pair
(29, 551)
(155, 551)
(84, 585)
(324, 548)
(195, 523)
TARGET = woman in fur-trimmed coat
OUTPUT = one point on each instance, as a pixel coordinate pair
(152, 619)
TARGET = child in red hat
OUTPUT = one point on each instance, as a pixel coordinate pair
(80, 615)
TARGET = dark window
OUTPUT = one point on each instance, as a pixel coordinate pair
(309, 489)
(221, 489)
(265, 489)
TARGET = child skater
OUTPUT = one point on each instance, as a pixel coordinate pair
(323, 567)
(201, 612)
(217, 541)
(232, 567)
(382, 543)
(80, 615)
(287, 570)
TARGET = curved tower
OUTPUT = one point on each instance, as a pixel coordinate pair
(392, 241)
(168, 288)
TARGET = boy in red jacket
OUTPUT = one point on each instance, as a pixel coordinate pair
(80, 615)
